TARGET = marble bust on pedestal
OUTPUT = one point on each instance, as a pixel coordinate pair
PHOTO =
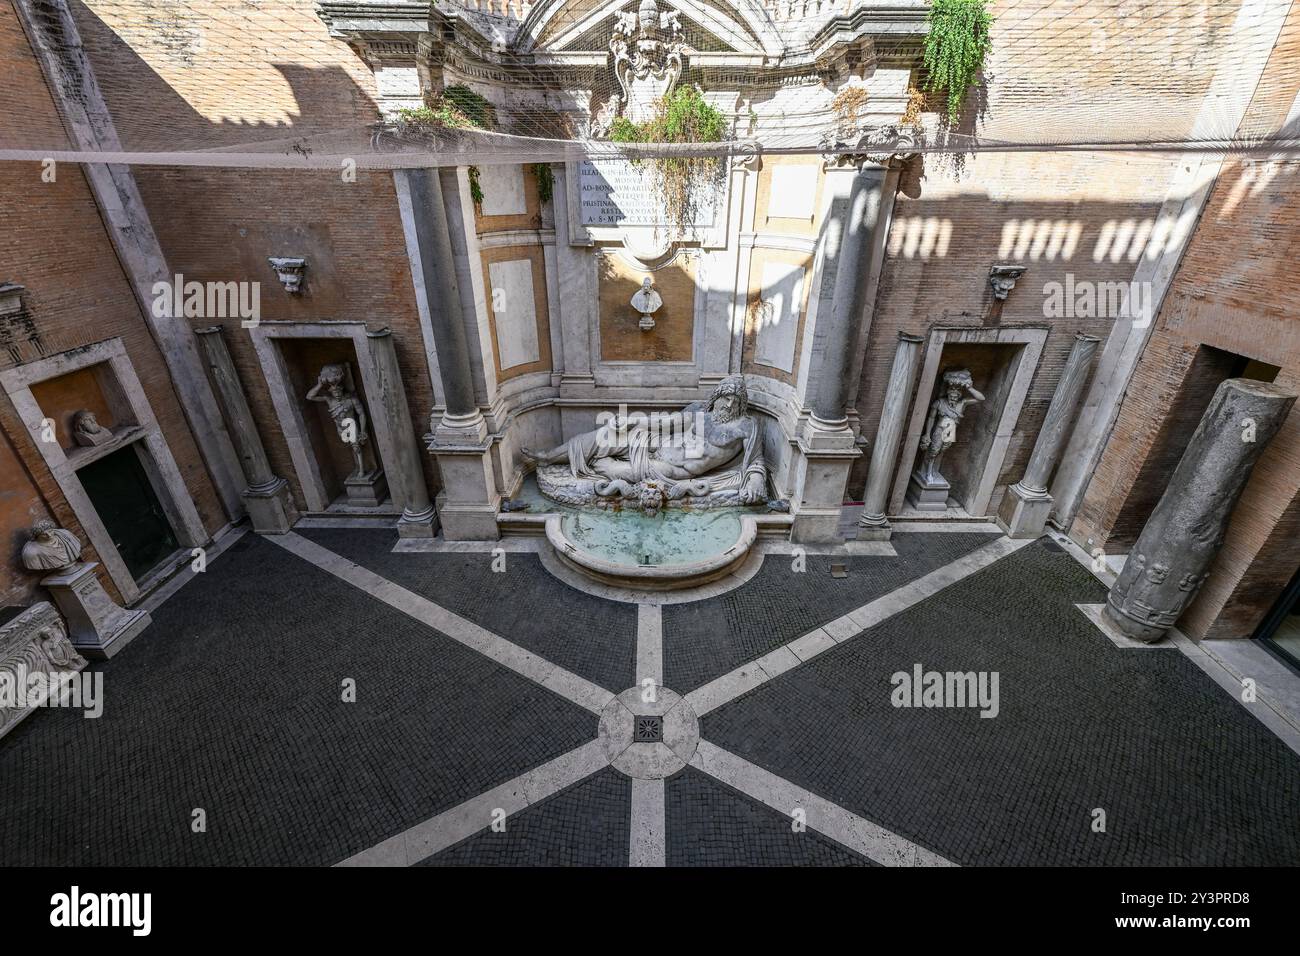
(647, 301)
(51, 548)
(97, 625)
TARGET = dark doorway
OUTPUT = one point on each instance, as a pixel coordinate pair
(1280, 629)
(125, 501)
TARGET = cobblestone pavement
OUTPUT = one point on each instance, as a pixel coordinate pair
(478, 696)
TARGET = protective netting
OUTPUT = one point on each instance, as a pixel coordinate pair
(264, 83)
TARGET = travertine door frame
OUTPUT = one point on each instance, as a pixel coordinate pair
(149, 443)
(1033, 340)
(265, 336)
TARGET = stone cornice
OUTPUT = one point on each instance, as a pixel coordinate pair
(896, 21)
(349, 19)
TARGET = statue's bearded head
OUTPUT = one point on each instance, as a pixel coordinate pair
(730, 400)
(43, 528)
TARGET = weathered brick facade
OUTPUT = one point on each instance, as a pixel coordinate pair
(1234, 292)
(55, 245)
(221, 73)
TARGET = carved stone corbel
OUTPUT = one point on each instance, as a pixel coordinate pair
(1002, 278)
(289, 270)
(886, 145)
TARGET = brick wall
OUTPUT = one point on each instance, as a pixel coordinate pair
(237, 72)
(1086, 215)
(1234, 291)
(54, 243)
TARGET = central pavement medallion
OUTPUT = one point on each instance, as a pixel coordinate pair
(649, 732)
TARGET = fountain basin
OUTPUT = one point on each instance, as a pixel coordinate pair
(661, 553)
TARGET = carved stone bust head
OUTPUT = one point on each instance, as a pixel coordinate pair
(87, 430)
(51, 548)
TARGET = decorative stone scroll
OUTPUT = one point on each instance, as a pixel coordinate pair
(35, 642)
(648, 52)
(881, 145)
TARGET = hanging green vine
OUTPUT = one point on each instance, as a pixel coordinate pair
(955, 48)
(684, 116)
(475, 190)
(545, 181)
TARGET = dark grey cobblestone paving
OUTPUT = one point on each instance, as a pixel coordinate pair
(230, 701)
(587, 824)
(1183, 772)
(710, 824)
(704, 640)
(590, 636)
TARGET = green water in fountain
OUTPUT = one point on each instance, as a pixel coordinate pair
(629, 537)
(670, 537)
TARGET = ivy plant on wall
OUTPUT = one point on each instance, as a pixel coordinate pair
(955, 48)
(545, 181)
(684, 116)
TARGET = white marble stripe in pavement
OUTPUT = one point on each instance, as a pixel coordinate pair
(568, 685)
(748, 676)
(648, 827)
(464, 820)
(650, 643)
(874, 842)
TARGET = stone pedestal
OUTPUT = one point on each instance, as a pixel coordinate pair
(367, 490)
(1023, 514)
(97, 627)
(826, 452)
(468, 502)
(1173, 554)
(927, 495)
(1025, 508)
(270, 507)
(872, 523)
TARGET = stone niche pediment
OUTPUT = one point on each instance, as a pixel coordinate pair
(707, 26)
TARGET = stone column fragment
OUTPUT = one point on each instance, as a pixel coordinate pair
(1168, 564)
(872, 524)
(267, 498)
(1026, 505)
(405, 475)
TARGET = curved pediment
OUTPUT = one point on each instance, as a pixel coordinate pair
(559, 26)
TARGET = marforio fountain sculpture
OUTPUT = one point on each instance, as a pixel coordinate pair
(703, 466)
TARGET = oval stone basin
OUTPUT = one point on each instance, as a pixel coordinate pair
(673, 549)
